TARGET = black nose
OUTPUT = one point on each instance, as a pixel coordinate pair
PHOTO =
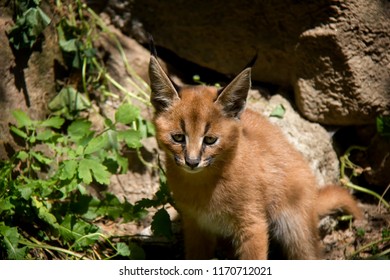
(192, 162)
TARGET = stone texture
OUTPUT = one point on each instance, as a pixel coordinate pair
(27, 80)
(333, 53)
(311, 139)
(344, 77)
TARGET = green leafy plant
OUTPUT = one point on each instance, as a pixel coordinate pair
(378, 249)
(383, 125)
(43, 186)
(46, 208)
(347, 165)
(161, 225)
(29, 25)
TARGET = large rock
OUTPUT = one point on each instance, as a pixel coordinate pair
(342, 74)
(333, 53)
(27, 79)
(312, 140)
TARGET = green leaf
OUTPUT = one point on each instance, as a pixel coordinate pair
(69, 100)
(278, 112)
(22, 119)
(44, 213)
(151, 130)
(82, 204)
(65, 229)
(11, 238)
(32, 139)
(100, 173)
(113, 207)
(45, 135)
(383, 125)
(79, 128)
(145, 127)
(126, 113)
(78, 231)
(84, 171)
(19, 132)
(22, 155)
(26, 190)
(6, 204)
(68, 45)
(123, 249)
(87, 167)
(55, 122)
(123, 162)
(28, 28)
(41, 158)
(136, 252)
(131, 137)
(22, 6)
(161, 224)
(112, 137)
(97, 144)
(87, 239)
(68, 170)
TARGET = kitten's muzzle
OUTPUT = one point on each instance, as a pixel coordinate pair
(192, 163)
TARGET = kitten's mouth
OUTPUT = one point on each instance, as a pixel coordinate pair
(192, 170)
(203, 164)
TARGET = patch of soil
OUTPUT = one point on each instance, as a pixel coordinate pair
(352, 240)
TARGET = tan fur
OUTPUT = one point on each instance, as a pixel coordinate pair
(256, 187)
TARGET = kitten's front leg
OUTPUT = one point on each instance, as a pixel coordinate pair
(198, 244)
(251, 242)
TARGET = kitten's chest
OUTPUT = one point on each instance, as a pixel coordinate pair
(206, 201)
(215, 222)
(211, 217)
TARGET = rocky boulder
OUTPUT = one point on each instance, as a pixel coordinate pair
(27, 79)
(320, 153)
(333, 53)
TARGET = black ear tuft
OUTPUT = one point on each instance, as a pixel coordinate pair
(152, 46)
(252, 62)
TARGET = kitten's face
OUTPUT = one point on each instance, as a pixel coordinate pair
(194, 131)
(197, 126)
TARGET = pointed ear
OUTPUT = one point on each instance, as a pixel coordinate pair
(163, 90)
(233, 96)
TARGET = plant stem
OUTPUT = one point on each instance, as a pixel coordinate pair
(364, 190)
(49, 247)
(365, 247)
(345, 162)
(128, 68)
(119, 86)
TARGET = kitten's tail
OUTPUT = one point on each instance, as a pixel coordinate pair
(332, 198)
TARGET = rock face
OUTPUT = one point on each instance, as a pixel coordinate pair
(342, 73)
(334, 53)
(27, 80)
(320, 154)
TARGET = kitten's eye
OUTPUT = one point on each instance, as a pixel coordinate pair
(179, 138)
(209, 140)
